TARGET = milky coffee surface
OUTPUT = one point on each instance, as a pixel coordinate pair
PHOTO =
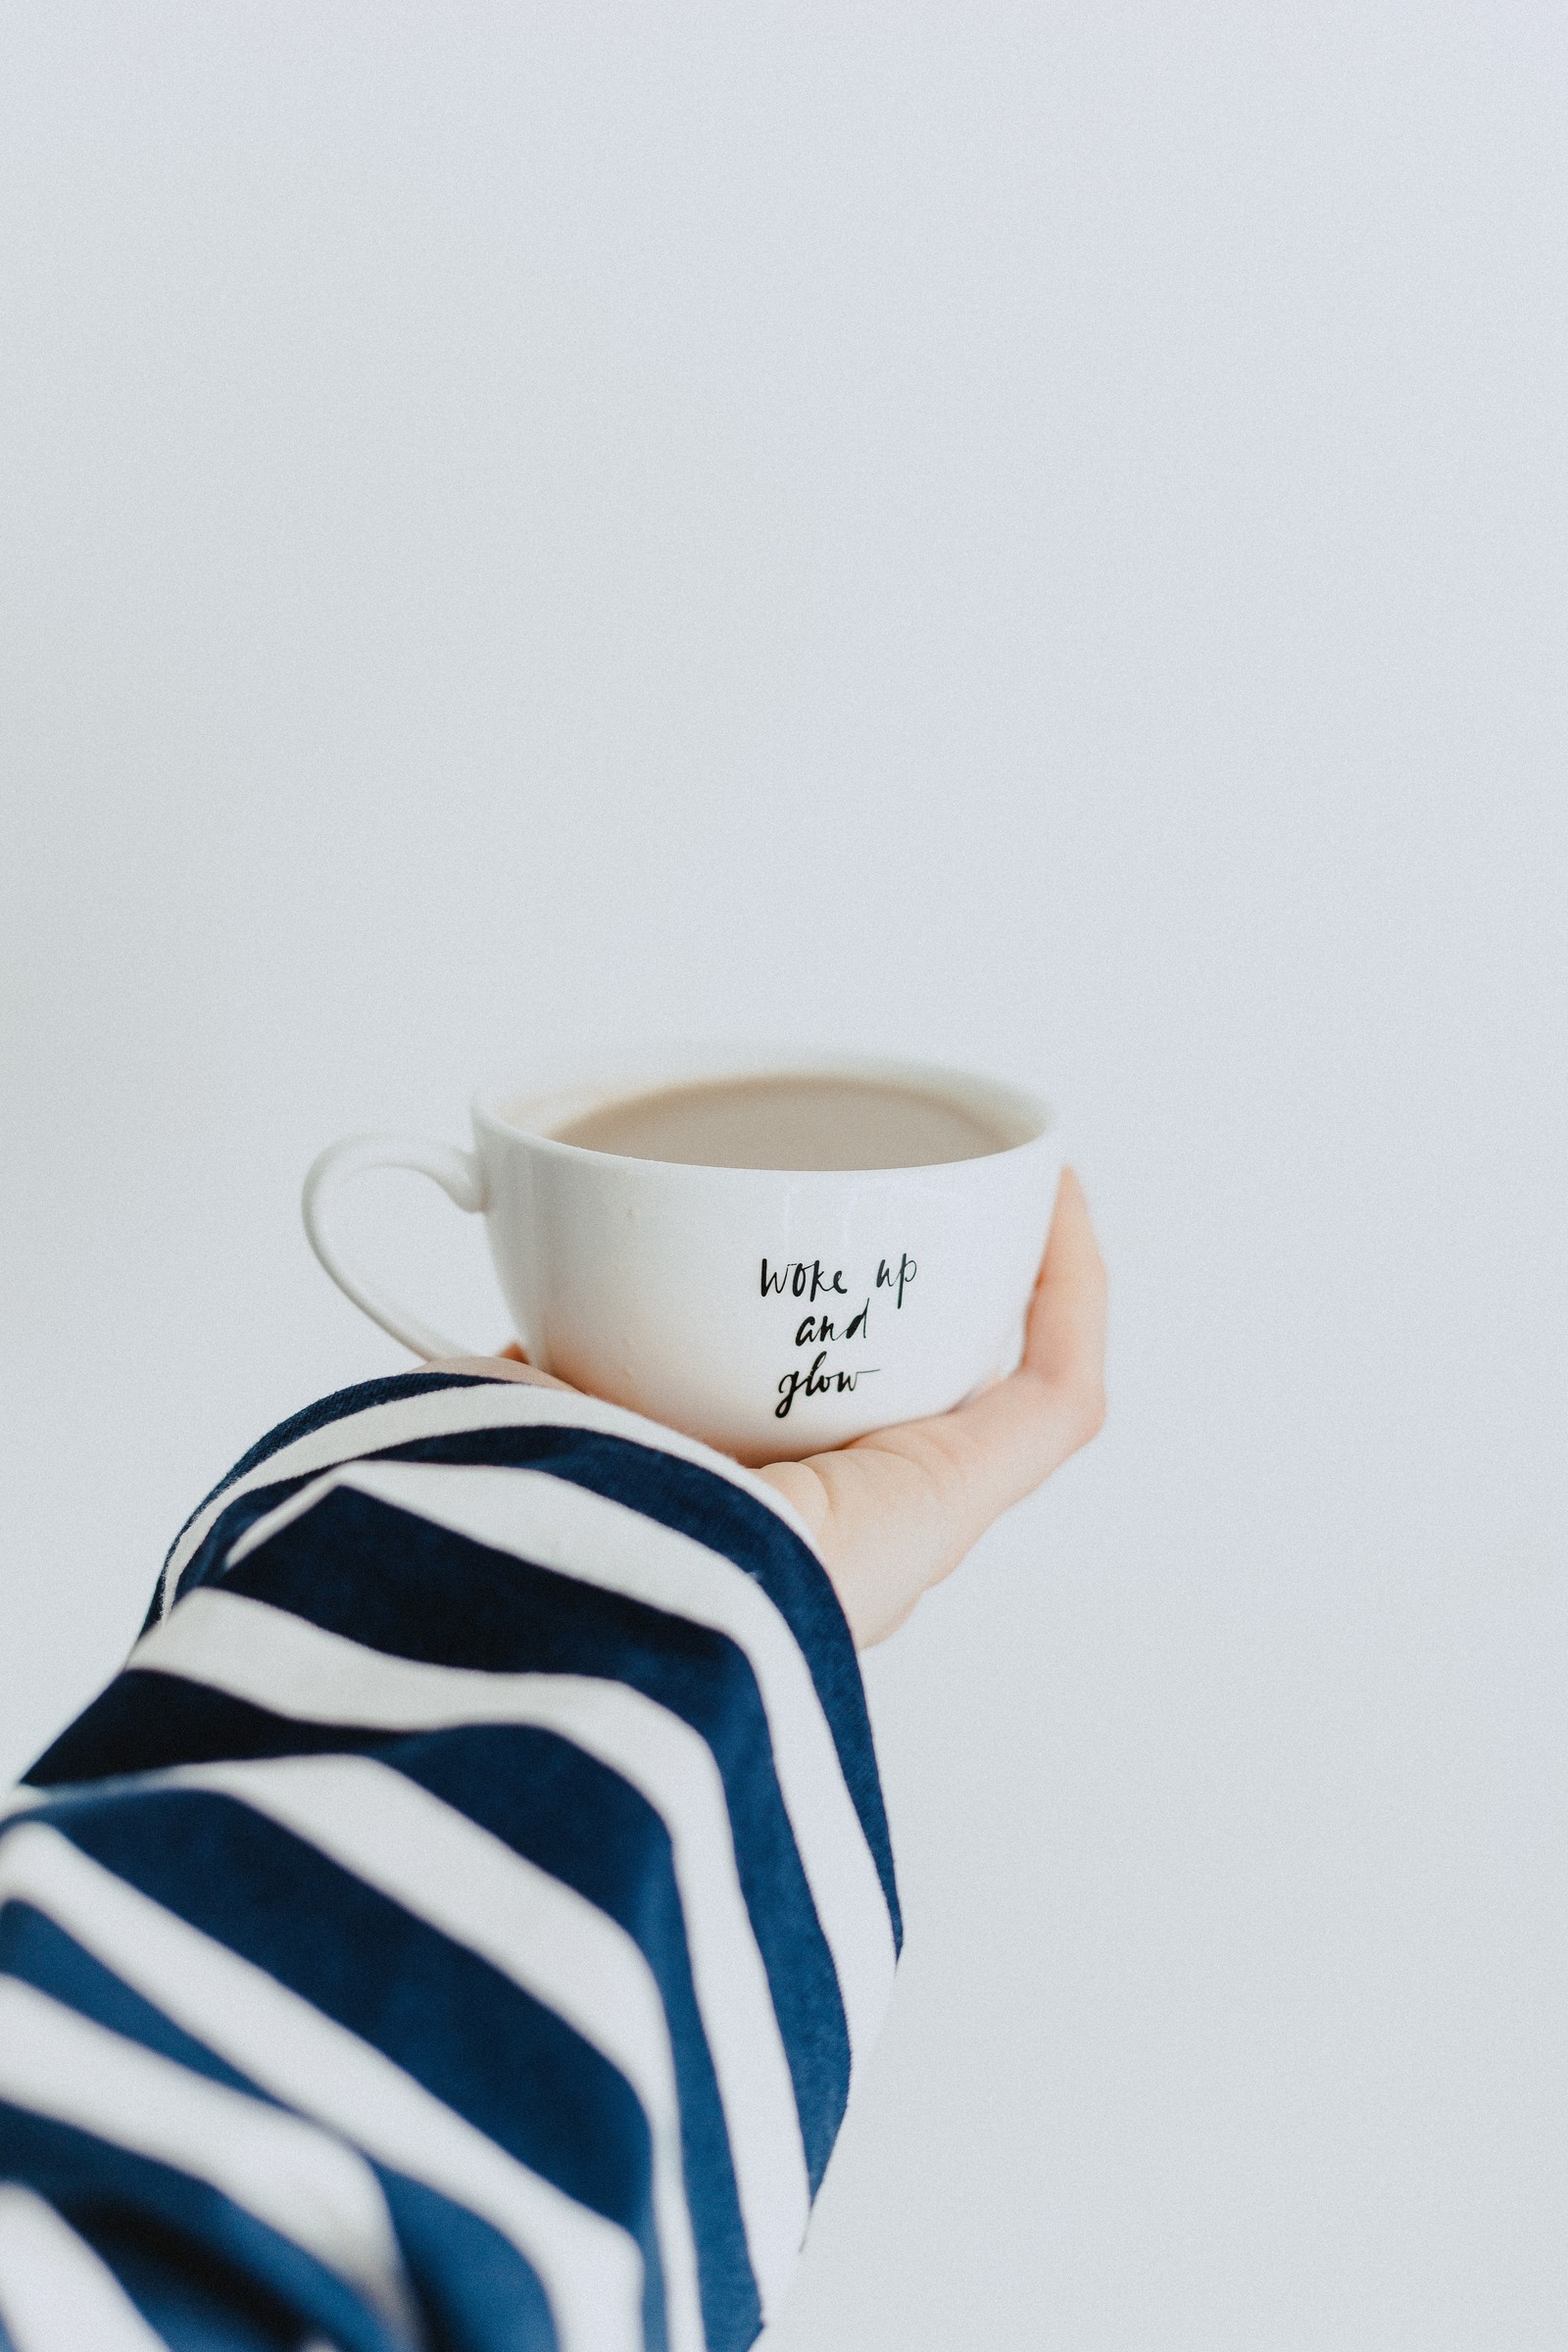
(785, 1122)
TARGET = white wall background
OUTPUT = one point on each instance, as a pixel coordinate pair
(1033, 536)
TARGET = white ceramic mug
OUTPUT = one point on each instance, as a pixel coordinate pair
(772, 1314)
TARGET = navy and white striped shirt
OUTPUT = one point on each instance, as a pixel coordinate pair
(459, 1927)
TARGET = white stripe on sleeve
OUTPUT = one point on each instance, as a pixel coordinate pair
(600, 1542)
(569, 1955)
(56, 2293)
(456, 1411)
(591, 2270)
(276, 1661)
(306, 2186)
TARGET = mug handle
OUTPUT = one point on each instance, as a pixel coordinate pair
(461, 1178)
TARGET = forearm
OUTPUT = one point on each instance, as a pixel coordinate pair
(462, 1919)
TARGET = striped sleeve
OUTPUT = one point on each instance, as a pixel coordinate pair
(459, 1927)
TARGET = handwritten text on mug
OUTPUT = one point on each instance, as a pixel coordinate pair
(808, 1280)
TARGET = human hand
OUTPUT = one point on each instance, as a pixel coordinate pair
(892, 1513)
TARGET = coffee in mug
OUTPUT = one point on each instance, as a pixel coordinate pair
(788, 1121)
(772, 1253)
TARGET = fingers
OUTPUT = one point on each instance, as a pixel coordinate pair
(894, 1512)
(1064, 1342)
(1018, 1431)
(508, 1363)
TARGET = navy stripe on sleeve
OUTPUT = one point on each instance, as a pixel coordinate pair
(396, 1728)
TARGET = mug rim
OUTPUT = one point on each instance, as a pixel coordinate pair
(564, 1087)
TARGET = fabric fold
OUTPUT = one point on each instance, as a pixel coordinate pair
(475, 1889)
